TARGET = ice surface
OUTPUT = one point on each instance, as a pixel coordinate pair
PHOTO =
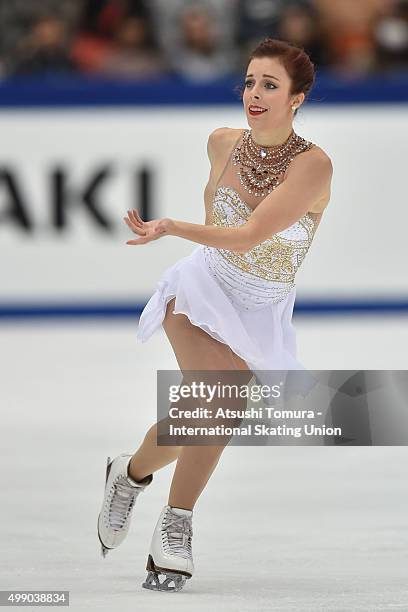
(277, 528)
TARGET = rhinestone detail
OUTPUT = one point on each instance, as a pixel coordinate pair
(261, 169)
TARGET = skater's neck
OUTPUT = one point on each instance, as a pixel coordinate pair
(271, 137)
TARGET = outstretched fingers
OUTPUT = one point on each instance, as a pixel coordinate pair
(138, 241)
(135, 217)
(135, 223)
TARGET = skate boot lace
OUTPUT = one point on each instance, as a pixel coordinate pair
(123, 497)
(177, 533)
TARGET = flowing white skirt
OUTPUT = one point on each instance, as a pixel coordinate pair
(264, 338)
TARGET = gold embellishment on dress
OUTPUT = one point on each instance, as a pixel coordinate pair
(277, 258)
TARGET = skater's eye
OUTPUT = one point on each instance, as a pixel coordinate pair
(267, 83)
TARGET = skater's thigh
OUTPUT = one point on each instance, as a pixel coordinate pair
(216, 361)
(195, 349)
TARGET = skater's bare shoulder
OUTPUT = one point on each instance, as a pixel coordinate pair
(219, 140)
(220, 136)
(219, 144)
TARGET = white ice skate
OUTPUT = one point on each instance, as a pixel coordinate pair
(170, 552)
(121, 492)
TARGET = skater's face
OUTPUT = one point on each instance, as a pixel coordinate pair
(271, 92)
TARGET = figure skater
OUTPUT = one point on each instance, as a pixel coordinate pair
(228, 306)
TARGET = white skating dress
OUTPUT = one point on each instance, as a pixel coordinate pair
(243, 300)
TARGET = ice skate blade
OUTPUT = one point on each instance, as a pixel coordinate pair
(108, 461)
(153, 582)
(104, 550)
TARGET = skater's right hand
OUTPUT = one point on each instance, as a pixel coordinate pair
(147, 230)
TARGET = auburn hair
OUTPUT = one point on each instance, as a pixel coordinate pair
(295, 60)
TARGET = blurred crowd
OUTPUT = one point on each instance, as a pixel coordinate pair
(200, 40)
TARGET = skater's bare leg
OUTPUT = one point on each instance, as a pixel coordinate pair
(196, 350)
(150, 457)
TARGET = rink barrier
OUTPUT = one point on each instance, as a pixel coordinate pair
(118, 310)
(58, 90)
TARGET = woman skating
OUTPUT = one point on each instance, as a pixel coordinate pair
(228, 306)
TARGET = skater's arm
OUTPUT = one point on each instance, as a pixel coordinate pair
(231, 238)
(308, 180)
(234, 238)
(304, 186)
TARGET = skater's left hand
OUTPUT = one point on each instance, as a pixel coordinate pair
(147, 230)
